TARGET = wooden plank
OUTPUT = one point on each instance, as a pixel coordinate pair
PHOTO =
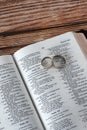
(12, 48)
(17, 15)
(10, 44)
(27, 38)
(8, 51)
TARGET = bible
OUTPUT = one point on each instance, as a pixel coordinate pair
(39, 96)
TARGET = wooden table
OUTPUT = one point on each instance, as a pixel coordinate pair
(24, 22)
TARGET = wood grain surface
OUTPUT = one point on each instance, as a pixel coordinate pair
(24, 22)
(18, 15)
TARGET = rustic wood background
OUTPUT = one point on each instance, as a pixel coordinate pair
(24, 22)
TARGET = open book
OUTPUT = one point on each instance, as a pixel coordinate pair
(35, 98)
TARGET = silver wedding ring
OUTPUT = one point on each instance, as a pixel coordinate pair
(46, 62)
(57, 61)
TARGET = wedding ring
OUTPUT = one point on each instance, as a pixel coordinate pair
(59, 61)
(46, 62)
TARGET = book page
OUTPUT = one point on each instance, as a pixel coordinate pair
(60, 95)
(16, 109)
